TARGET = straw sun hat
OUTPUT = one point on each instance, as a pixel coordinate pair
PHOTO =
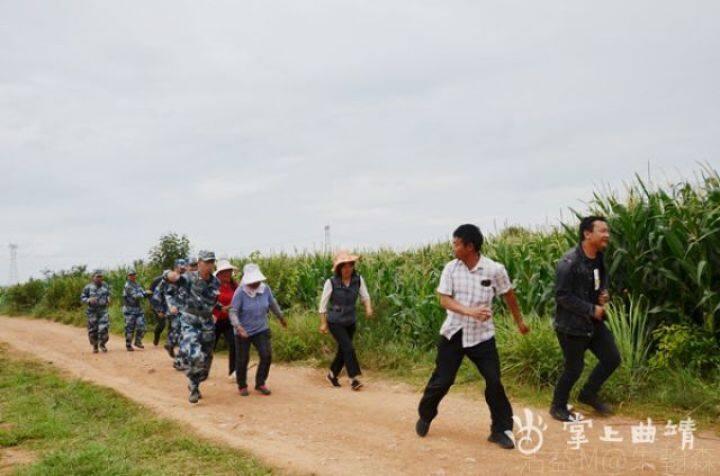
(343, 256)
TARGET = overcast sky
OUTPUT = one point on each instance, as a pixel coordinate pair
(251, 125)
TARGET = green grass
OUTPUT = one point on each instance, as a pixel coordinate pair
(73, 427)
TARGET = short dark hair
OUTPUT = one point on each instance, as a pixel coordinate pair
(470, 235)
(588, 223)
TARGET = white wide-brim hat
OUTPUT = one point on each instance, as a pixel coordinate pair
(224, 265)
(252, 274)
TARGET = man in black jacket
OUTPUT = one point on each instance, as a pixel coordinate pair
(581, 295)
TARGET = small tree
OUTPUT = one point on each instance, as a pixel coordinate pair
(170, 247)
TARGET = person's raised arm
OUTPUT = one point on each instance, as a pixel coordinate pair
(481, 313)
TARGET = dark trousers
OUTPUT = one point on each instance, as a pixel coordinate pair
(345, 356)
(224, 328)
(485, 357)
(159, 328)
(261, 342)
(602, 344)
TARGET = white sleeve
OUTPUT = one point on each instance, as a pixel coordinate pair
(364, 294)
(325, 297)
(502, 281)
(446, 285)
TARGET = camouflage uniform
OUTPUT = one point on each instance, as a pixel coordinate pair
(159, 306)
(166, 295)
(198, 298)
(98, 320)
(133, 313)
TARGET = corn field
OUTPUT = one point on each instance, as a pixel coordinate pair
(664, 252)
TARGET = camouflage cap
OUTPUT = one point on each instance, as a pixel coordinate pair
(97, 272)
(192, 260)
(181, 262)
(131, 272)
(206, 256)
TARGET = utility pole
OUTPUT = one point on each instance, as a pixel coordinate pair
(13, 264)
(328, 246)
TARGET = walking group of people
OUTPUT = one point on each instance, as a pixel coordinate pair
(200, 302)
(201, 305)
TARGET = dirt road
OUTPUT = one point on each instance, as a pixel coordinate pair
(307, 427)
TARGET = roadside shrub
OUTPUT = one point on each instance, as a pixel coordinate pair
(534, 358)
(24, 297)
(682, 346)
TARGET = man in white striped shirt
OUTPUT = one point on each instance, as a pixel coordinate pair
(467, 287)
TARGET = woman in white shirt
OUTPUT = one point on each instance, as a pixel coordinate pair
(338, 316)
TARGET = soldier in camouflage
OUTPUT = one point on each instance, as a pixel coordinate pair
(171, 288)
(159, 306)
(97, 297)
(192, 264)
(194, 303)
(133, 295)
(174, 324)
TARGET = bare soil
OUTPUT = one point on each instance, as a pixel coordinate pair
(308, 427)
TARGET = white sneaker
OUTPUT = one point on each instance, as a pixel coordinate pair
(231, 376)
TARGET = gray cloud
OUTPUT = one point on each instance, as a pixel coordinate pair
(251, 125)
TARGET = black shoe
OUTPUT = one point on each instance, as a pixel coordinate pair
(560, 413)
(333, 380)
(502, 440)
(139, 345)
(194, 396)
(156, 340)
(356, 384)
(95, 349)
(103, 348)
(129, 348)
(170, 351)
(422, 427)
(600, 407)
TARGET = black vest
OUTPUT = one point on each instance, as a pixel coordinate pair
(341, 309)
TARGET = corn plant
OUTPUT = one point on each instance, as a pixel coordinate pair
(629, 324)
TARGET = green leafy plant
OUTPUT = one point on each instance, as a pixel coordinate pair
(688, 347)
(629, 324)
(170, 247)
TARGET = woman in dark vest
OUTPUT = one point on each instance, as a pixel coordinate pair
(337, 315)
